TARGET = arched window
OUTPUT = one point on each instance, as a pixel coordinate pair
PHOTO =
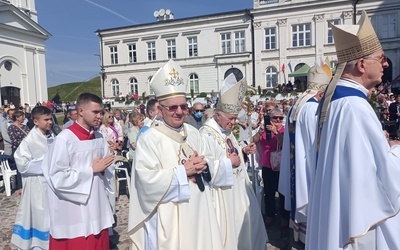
(148, 81)
(271, 77)
(133, 86)
(298, 66)
(194, 82)
(115, 87)
(238, 74)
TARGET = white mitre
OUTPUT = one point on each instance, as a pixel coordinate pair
(168, 81)
(318, 78)
(232, 94)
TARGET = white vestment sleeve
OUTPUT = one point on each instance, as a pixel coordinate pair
(179, 188)
(72, 184)
(30, 153)
(224, 177)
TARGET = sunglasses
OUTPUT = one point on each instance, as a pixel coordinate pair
(199, 110)
(277, 117)
(174, 108)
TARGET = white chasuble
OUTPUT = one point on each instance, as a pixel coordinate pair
(297, 165)
(32, 223)
(239, 214)
(78, 199)
(167, 210)
(356, 188)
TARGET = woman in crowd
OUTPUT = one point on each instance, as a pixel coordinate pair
(137, 120)
(17, 132)
(109, 131)
(271, 140)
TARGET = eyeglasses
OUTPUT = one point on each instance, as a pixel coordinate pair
(381, 58)
(277, 117)
(174, 108)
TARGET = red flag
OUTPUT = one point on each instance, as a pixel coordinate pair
(283, 67)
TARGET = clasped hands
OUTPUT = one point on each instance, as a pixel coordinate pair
(196, 164)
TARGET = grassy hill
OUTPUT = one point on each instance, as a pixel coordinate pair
(70, 91)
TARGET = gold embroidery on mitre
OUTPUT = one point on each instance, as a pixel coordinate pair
(174, 79)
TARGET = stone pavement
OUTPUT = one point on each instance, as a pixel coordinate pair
(9, 206)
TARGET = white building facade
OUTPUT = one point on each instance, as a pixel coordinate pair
(287, 35)
(22, 54)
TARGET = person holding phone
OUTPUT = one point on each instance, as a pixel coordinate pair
(271, 177)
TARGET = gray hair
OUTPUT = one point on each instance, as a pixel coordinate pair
(197, 103)
(276, 111)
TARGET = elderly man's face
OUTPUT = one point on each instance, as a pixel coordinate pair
(198, 108)
(174, 110)
(225, 120)
(374, 65)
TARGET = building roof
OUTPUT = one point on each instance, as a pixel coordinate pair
(162, 22)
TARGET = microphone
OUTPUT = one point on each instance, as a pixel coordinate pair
(199, 182)
(267, 121)
(205, 175)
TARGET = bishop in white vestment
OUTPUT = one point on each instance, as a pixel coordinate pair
(238, 211)
(171, 204)
(354, 201)
(299, 146)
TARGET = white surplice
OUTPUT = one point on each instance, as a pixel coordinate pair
(78, 200)
(166, 210)
(239, 214)
(32, 224)
(305, 129)
(356, 188)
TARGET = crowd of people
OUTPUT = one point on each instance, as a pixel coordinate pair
(324, 154)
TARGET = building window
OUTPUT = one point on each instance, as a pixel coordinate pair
(385, 25)
(238, 74)
(114, 55)
(171, 49)
(301, 35)
(133, 86)
(226, 43)
(115, 87)
(271, 77)
(132, 53)
(388, 26)
(151, 51)
(330, 34)
(148, 81)
(8, 65)
(270, 38)
(194, 83)
(192, 42)
(333, 64)
(240, 45)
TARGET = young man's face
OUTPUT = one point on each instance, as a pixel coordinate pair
(44, 123)
(89, 115)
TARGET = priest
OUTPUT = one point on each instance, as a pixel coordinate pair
(354, 201)
(171, 205)
(239, 215)
(298, 150)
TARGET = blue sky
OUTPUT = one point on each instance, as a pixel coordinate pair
(71, 51)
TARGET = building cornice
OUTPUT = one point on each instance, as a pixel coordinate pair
(234, 27)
